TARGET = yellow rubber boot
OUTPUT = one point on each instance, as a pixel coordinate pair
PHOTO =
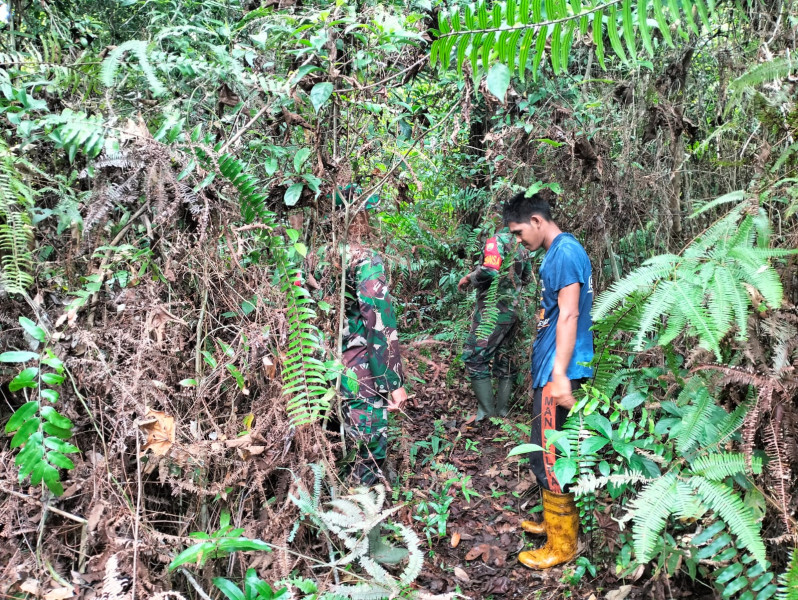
(561, 524)
(534, 527)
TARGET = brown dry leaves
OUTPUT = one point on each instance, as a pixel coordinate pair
(491, 555)
(160, 430)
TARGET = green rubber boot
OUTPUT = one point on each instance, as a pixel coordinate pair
(483, 389)
(504, 390)
(383, 552)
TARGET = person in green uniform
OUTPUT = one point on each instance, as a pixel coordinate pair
(506, 267)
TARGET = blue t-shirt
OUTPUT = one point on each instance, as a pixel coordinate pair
(566, 262)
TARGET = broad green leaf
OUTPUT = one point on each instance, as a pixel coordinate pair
(703, 12)
(56, 418)
(565, 469)
(61, 446)
(498, 80)
(592, 445)
(50, 395)
(292, 194)
(300, 157)
(228, 588)
(24, 379)
(52, 379)
(59, 460)
(483, 15)
(17, 356)
(599, 423)
(193, 555)
(36, 332)
(565, 49)
(688, 15)
(188, 382)
(60, 432)
(22, 414)
(24, 432)
(524, 448)
(320, 93)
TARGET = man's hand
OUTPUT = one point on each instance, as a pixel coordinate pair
(464, 283)
(561, 391)
(397, 401)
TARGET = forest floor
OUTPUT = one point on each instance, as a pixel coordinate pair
(441, 453)
(446, 458)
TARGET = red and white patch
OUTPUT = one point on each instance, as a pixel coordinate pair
(492, 260)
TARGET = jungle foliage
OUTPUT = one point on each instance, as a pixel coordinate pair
(171, 302)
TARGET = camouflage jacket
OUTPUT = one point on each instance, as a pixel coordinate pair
(499, 249)
(371, 321)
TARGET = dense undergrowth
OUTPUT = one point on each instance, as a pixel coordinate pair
(168, 173)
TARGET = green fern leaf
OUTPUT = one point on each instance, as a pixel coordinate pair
(662, 24)
(565, 49)
(462, 46)
(540, 48)
(598, 37)
(628, 28)
(729, 506)
(694, 420)
(641, 278)
(612, 33)
(139, 49)
(718, 467)
(523, 12)
(788, 581)
(510, 12)
(642, 27)
(537, 11)
(688, 15)
(555, 48)
(652, 507)
(703, 12)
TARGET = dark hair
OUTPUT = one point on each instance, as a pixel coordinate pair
(519, 208)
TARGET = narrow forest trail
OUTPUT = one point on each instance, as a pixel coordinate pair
(444, 458)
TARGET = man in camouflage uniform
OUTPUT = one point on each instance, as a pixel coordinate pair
(502, 258)
(372, 384)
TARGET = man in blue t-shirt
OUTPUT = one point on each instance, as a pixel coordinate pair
(563, 345)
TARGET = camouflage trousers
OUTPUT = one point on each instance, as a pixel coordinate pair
(365, 416)
(493, 355)
(366, 425)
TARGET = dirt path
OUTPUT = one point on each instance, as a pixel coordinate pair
(444, 459)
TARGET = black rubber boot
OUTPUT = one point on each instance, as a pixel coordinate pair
(504, 390)
(483, 389)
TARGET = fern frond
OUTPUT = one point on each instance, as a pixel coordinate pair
(16, 232)
(788, 581)
(718, 467)
(497, 33)
(729, 506)
(694, 421)
(651, 510)
(139, 49)
(640, 279)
